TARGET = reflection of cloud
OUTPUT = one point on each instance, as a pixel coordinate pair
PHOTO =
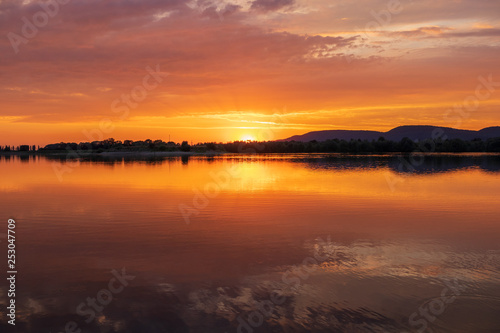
(35, 306)
(367, 286)
(414, 260)
(349, 290)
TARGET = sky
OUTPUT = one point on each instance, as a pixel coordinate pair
(223, 70)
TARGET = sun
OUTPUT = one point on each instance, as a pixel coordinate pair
(247, 137)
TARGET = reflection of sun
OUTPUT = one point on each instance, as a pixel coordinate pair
(248, 137)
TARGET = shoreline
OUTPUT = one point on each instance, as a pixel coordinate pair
(140, 154)
(110, 153)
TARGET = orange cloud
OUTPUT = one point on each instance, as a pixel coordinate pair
(230, 67)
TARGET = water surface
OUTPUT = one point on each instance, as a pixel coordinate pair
(260, 243)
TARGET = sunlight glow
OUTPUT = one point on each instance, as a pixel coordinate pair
(248, 137)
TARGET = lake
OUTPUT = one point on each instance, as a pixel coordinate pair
(253, 243)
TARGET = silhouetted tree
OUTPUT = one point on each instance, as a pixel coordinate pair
(185, 146)
(211, 146)
(406, 145)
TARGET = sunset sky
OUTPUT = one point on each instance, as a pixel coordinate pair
(229, 70)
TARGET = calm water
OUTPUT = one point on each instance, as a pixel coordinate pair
(297, 243)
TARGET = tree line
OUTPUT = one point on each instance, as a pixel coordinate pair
(19, 148)
(406, 145)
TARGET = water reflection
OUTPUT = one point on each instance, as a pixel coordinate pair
(408, 164)
(297, 243)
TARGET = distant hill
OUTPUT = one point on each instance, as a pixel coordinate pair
(416, 133)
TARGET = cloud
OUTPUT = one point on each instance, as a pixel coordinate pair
(443, 32)
(80, 53)
(238, 56)
(492, 32)
(270, 5)
(212, 11)
(420, 32)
